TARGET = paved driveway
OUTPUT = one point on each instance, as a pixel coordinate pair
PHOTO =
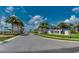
(34, 43)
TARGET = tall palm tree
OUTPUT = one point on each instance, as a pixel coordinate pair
(20, 26)
(15, 22)
(11, 20)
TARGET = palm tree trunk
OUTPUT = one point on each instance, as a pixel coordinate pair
(18, 29)
(1, 29)
(21, 30)
(12, 28)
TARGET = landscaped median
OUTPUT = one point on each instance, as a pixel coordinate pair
(73, 37)
(6, 38)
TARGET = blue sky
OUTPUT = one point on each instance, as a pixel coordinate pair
(53, 14)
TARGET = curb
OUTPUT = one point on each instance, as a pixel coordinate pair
(1, 42)
(60, 40)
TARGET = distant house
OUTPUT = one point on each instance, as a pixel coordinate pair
(59, 31)
(49, 31)
(43, 30)
(77, 29)
(40, 30)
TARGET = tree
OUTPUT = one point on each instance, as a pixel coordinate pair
(43, 26)
(77, 27)
(63, 25)
(20, 26)
(15, 22)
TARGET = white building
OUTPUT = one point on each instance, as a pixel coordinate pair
(59, 32)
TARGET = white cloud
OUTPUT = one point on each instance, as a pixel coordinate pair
(45, 18)
(52, 24)
(3, 20)
(9, 9)
(37, 18)
(73, 19)
(3, 23)
(76, 10)
(67, 21)
(35, 21)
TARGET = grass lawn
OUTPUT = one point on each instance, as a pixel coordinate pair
(73, 37)
(5, 37)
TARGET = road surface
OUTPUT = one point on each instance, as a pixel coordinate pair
(33, 43)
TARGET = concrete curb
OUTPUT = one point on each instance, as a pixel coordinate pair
(60, 40)
(1, 42)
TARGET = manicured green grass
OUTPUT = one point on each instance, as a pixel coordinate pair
(76, 36)
(73, 37)
(5, 37)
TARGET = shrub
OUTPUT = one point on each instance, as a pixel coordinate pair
(73, 31)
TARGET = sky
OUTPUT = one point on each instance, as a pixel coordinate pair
(36, 14)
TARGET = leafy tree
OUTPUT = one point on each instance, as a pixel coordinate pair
(63, 25)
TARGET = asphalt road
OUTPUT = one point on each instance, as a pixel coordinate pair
(34, 44)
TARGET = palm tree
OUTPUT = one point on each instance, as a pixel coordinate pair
(11, 20)
(15, 22)
(63, 25)
(20, 26)
(43, 26)
(1, 29)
